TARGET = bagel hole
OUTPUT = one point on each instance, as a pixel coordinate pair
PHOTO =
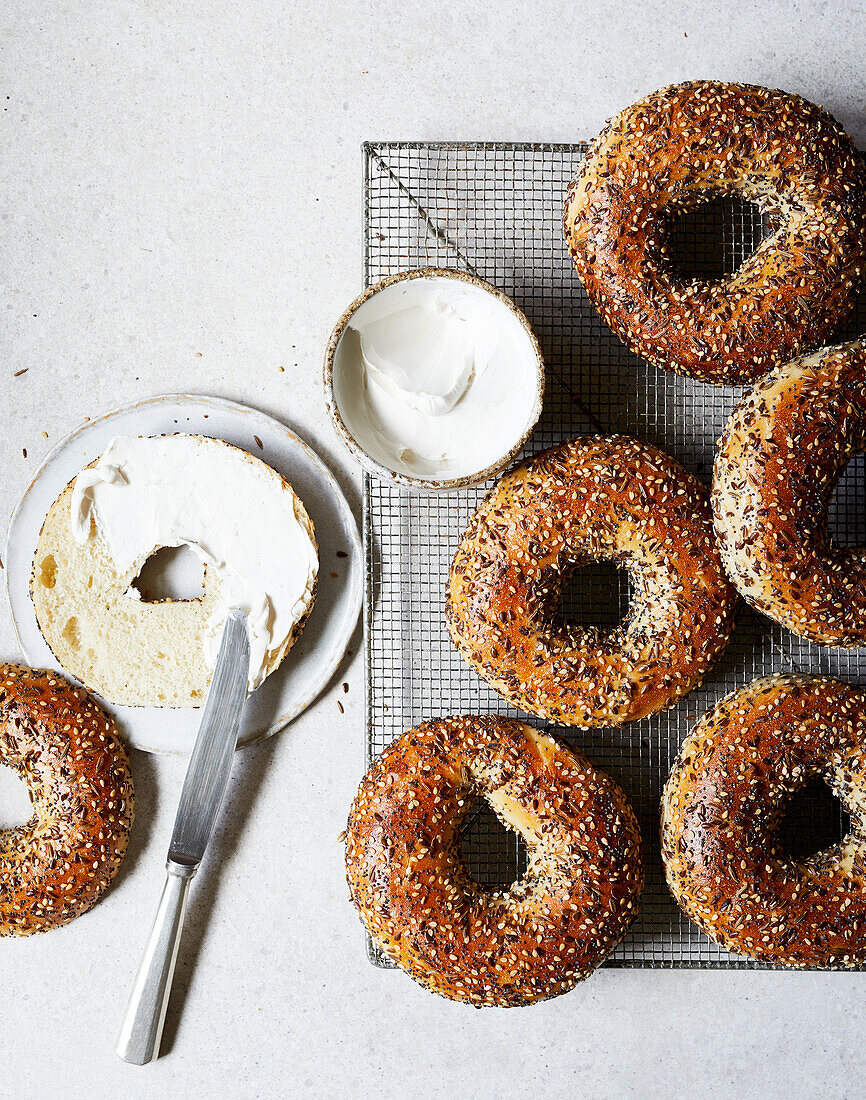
(15, 805)
(171, 573)
(812, 821)
(595, 595)
(495, 856)
(846, 512)
(711, 240)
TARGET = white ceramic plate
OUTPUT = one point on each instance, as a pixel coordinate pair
(311, 662)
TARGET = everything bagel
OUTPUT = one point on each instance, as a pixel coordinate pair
(723, 801)
(685, 145)
(70, 757)
(607, 498)
(533, 940)
(778, 462)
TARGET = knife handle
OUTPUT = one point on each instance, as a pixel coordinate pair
(141, 1030)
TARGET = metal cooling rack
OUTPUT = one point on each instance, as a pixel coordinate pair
(495, 210)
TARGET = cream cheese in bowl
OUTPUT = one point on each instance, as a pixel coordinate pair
(436, 377)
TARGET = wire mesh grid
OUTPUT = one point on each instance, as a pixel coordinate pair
(495, 210)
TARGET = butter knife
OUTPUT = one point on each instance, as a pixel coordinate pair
(205, 785)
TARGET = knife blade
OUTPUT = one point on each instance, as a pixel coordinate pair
(203, 791)
(210, 764)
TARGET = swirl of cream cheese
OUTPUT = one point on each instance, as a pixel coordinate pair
(435, 377)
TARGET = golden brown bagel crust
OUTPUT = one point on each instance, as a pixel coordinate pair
(70, 757)
(778, 462)
(605, 498)
(509, 947)
(685, 145)
(721, 805)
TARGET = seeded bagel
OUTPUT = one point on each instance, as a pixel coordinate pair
(69, 755)
(683, 146)
(779, 459)
(597, 498)
(510, 947)
(723, 802)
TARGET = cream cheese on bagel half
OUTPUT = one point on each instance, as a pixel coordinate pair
(240, 517)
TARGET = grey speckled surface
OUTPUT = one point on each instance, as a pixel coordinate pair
(181, 209)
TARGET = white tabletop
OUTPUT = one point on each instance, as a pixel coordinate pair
(181, 208)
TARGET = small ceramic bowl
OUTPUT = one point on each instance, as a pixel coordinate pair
(373, 465)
